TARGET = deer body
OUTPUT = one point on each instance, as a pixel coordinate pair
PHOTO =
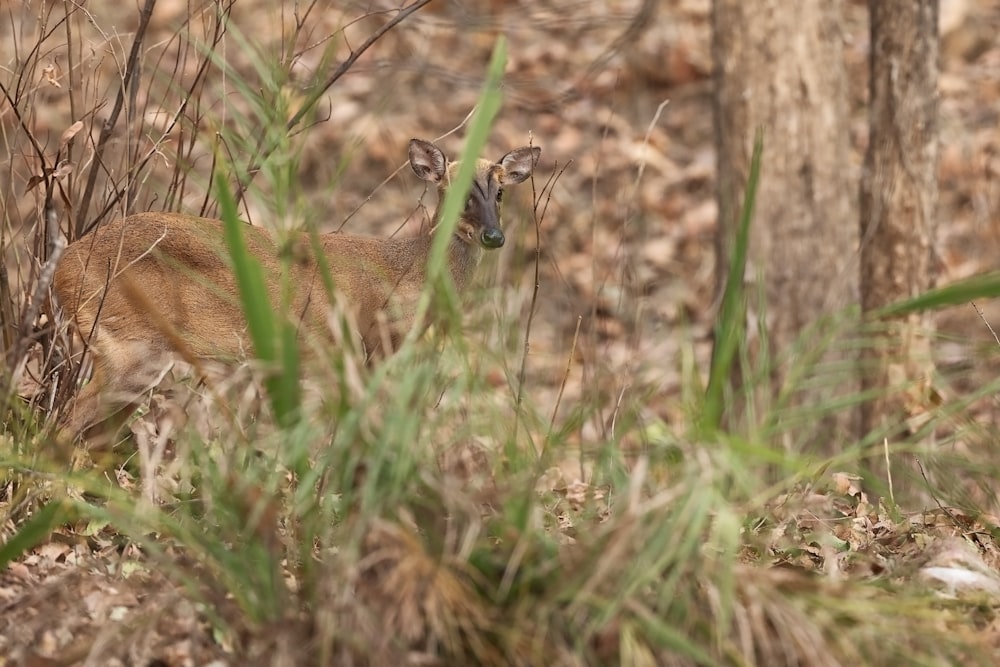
(148, 286)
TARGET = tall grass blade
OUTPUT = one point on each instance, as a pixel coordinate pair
(439, 282)
(984, 286)
(273, 336)
(730, 328)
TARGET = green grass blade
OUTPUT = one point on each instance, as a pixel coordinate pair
(274, 338)
(439, 283)
(985, 286)
(730, 327)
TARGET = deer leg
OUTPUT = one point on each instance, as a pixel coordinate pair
(123, 372)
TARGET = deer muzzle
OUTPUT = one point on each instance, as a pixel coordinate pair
(492, 237)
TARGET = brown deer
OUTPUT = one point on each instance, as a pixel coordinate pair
(151, 285)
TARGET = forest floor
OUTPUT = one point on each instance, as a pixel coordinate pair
(622, 110)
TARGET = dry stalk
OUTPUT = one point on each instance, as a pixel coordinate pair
(261, 153)
(538, 217)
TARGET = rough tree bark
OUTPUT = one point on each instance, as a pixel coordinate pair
(899, 199)
(779, 66)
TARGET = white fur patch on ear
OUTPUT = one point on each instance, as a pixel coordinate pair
(518, 164)
(427, 161)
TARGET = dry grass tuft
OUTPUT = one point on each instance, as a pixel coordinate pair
(426, 601)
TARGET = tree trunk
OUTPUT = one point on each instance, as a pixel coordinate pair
(899, 199)
(779, 66)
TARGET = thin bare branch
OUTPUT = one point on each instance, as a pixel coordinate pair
(538, 217)
(261, 153)
(131, 72)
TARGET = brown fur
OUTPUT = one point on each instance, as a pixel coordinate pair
(155, 284)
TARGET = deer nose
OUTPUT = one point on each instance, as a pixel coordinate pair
(492, 238)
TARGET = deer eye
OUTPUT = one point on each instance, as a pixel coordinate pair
(499, 195)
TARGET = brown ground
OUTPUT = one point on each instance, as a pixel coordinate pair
(626, 243)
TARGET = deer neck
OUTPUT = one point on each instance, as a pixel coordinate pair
(463, 256)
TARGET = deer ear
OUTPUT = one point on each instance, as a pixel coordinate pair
(518, 164)
(427, 161)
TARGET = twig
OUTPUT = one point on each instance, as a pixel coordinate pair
(131, 72)
(18, 353)
(39, 151)
(983, 318)
(399, 169)
(537, 199)
(261, 154)
(947, 511)
(645, 145)
(565, 380)
(140, 162)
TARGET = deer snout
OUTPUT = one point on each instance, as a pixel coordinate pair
(492, 238)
